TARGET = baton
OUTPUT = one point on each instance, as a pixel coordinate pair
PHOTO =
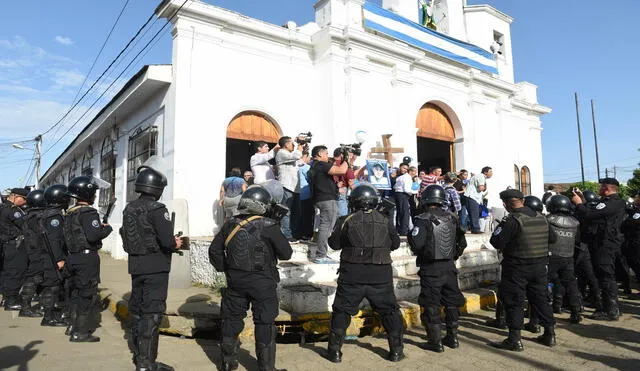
(105, 218)
(47, 245)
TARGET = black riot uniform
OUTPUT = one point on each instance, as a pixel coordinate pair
(561, 265)
(52, 221)
(523, 237)
(247, 249)
(366, 238)
(14, 255)
(83, 233)
(32, 230)
(631, 231)
(437, 240)
(606, 219)
(147, 236)
(582, 257)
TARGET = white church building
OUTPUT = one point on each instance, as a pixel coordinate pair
(448, 96)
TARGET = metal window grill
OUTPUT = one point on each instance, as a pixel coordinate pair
(142, 145)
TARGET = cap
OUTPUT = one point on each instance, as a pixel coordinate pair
(451, 176)
(612, 181)
(510, 193)
(20, 191)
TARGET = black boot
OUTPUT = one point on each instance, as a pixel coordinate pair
(396, 349)
(548, 338)
(148, 337)
(73, 314)
(532, 327)
(49, 319)
(336, 339)
(557, 304)
(613, 314)
(434, 336)
(12, 303)
(575, 317)
(83, 331)
(27, 310)
(266, 353)
(499, 322)
(599, 314)
(512, 343)
(229, 347)
(134, 333)
(451, 338)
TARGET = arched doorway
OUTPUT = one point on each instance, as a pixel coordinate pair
(435, 138)
(245, 129)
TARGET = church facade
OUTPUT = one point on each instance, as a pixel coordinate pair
(447, 96)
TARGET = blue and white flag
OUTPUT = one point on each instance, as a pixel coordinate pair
(393, 25)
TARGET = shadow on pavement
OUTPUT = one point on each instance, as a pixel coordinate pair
(13, 355)
(598, 331)
(617, 363)
(383, 353)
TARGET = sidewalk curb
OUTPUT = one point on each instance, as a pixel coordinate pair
(363, 323)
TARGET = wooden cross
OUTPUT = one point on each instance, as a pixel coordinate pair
(387, 149)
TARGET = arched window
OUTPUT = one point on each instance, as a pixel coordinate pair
(142, 145)
(525, 181)
(107, 172)
(86, 168)
(516, 177)
(72, 170)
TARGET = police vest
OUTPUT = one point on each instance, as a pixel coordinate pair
(32, 230)
(368, 238)
(53, 217)
(632, 230)
(441, 236)
(8, 230)
(138, 235)
(245, 250)
(74, 234)
(533, 240)
(566, 228)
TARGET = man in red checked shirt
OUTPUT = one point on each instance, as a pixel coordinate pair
(344, 182)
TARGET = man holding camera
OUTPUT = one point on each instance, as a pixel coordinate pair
(606, 217)
(325, 195)
(259, 162)
(286, 160)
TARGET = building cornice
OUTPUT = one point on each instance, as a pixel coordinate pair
(488, 9)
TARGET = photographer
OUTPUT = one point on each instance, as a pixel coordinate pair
(286, 160)
(325, 194)
(259, 162)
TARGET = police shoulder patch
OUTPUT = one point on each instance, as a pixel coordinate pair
(497, 231)
(601, 206)
(415, 231)
(166, 216)
(55, 223)
(636, 216)
(95, 223)
(17, 215)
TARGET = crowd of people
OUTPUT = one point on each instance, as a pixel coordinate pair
(580, 245)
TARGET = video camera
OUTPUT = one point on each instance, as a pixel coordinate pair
(354, 148)
(386, 207)
(304, 138)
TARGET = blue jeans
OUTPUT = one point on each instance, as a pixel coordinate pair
(343, 205)
(474, 214)
(328, 216)
(464, 213)
(285, 225)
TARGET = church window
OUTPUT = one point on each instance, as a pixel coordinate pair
(525, 181)
(516, 176)
(107, 172)
(142, 145)
(497, 47)
(73, 168)
(86, 168)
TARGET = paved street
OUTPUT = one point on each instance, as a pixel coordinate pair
(24, 345)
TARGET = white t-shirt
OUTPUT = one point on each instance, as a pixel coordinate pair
(472, 190)
(261, 167)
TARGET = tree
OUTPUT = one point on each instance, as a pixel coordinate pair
(634, 183)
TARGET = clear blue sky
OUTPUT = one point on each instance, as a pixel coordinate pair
(588, 46)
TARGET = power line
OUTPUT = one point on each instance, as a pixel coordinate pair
(101, 75)
(116, 79)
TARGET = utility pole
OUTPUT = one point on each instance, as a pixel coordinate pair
(595, 135)
(614, 171)
(606, 172)
(38, 159)
(579, 139)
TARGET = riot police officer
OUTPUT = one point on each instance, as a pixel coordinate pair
(561, 265)
(534, 203)
(437, 240)
(583, 265)
(631, 230)
(523, 237)
(11, 238)
(83, 233)
(52, 219)
(366, 238)
(32, 229)
(247, 249)
(607, 217)
(147, 236)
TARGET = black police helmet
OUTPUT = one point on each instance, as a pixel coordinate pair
(82, 188)
(256, 200)
(590, 196)
(559, 204)
(433, 194)
(533, 203)
(56, 195)
(150, 181)
(36, 199)
(363, 197)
